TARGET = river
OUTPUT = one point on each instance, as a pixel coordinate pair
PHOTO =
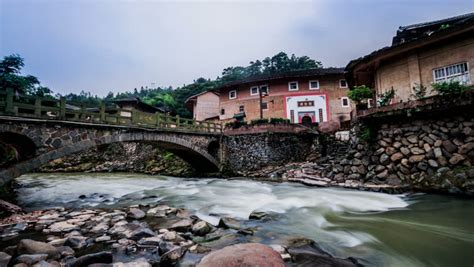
(379, 229)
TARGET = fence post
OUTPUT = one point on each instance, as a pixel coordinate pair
(166, 120)
(157, 116)
(102, 111)
(134, 115)
(82, 115)
(38, 107)
(62, 108)
(177, 121)
(9, 101)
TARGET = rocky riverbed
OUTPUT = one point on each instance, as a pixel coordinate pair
(123, 157)
(145, 235)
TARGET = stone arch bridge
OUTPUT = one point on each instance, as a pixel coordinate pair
(38, 142)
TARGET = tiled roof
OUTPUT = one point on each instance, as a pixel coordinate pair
(287, 74)
(417, 33)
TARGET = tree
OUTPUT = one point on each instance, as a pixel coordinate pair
(10, 68)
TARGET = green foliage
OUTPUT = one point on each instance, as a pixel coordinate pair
(358, 93)
(270, 65)
(259, 121)
(235, 124)
(10, 77)
(279, 121)
(419, 91)
(368, 133)
(168, 98)
(450, 88)
(444, 26)
(386, 97)
(168, 156)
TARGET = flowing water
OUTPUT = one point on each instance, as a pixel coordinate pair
(380, 229)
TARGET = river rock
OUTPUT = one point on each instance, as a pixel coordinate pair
(412, 139)
(100, 257)
(28, 246)
(201, 228)
(171, 257)
(150, 241)
(456, 158)
(31, 259)
(136, 213)
(228, 222)
(4, 258)
(182, 226)
(140, 262)
(449, 146)
(416, 158)
(62, 227)
(311, 255)
(396, 157)
(466, 148)
(76, 242)
(103, 238)
(258, 215)
(250, 254)
(417, 151)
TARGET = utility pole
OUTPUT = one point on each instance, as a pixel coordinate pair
(261, 102)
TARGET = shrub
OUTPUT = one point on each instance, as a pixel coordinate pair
(235, 124)
(368, 133)
(279, 121)
(450, 88)
(358, 93)
(419, 91)
(259, 121)
(386, 97)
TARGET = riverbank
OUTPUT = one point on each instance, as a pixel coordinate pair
(140, 235)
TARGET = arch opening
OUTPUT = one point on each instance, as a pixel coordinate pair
(14, 148)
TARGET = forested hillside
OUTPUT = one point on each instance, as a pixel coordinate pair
(167, 97)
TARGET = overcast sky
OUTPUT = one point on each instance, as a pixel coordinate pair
(117, 45)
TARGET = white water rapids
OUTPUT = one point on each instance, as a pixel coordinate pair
(381, 229)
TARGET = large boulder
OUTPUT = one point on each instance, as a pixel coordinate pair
(250, 254)
(28, 246)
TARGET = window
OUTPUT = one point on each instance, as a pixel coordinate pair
(293, 86)
(370, 102)
(222, 111)
(305, 103)
(264, 105)
(313, 85)
(320, 115)
(233, 94)
(457, 72)
(342, 83)
(345, 102)
(264, 89)
(241, 108)
(254, 90)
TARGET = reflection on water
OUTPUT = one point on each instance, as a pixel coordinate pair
(384, 230)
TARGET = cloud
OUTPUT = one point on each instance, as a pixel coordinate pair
(106, 45)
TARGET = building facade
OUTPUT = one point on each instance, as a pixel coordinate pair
(204, 106)
(309, 96)
(420, 55)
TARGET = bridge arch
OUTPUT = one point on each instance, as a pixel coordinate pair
(198, 157)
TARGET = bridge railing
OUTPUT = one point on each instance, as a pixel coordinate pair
(53, 109)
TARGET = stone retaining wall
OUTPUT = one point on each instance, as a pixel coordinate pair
(249, 152)
(428, 154)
